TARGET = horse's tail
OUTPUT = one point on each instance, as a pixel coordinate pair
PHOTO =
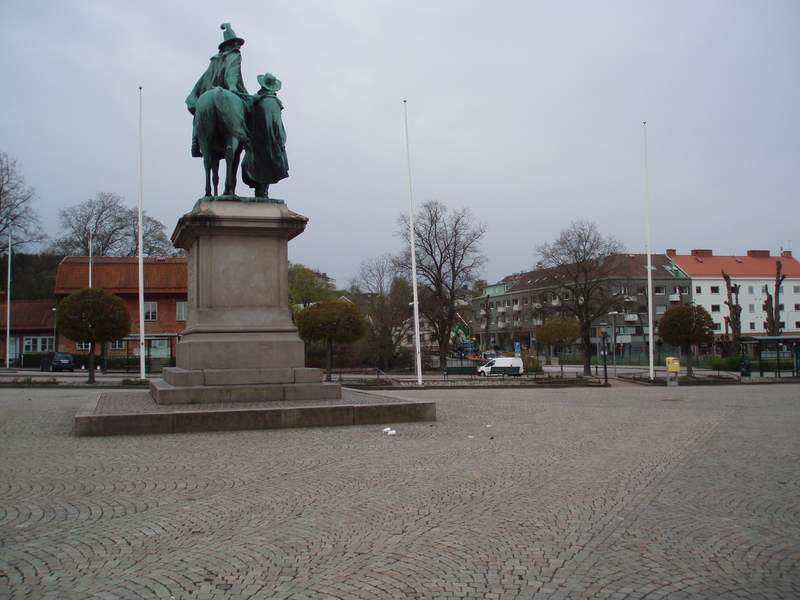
(231, 111)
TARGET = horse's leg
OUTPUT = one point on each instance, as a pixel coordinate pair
(215, 174)
(233, 152)
(208, 165)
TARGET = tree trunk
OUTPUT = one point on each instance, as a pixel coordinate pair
(689, 372)
(91, 363)
(586, 338)
(328, 359)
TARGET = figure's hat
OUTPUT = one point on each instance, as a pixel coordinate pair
(228, 36)
(269, 82)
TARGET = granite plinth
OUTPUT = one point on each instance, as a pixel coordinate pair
(240, 344)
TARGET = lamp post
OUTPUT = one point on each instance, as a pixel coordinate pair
(55, 344)
(603, 330)
(614, 339)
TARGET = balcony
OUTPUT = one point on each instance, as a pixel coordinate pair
(501, 310)
(631, 318)
(517, 308)
(674, 297)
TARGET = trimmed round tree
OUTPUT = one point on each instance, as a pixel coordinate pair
(686, 326)
(560, 333)
(93, 315)
(332, 323)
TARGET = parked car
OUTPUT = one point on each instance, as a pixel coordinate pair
(58, 361)
(504, 365)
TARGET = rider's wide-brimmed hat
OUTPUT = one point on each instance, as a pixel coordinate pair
(229, 37)
(269, 82)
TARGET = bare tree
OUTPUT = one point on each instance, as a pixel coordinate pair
(110, 227)
(583, 268)
(449, 261)
(16, 207)
(773, 308)
(733, 321)
(383, 295)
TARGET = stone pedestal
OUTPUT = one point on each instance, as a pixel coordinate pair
(239, 344)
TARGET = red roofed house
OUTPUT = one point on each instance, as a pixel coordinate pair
(32, 328)
(165, 297)
(755, 273)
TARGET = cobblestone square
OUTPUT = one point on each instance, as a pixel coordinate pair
(623, 492)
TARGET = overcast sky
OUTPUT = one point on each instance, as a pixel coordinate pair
(529, 113)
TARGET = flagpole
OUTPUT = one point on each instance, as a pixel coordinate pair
(90, 256)
(8, 304)
(413, 254)
(651, 325)
(141, 259)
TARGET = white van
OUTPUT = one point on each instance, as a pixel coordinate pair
(505, 365)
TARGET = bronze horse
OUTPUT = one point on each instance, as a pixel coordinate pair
(220, 123)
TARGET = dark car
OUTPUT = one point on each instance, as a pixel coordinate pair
(57, 361)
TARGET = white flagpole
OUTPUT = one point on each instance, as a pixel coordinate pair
(413, 255)
(8, 303)
(141, 259)
(651, 325)
(90, 257)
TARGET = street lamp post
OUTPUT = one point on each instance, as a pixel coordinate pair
(603, 330)
(55, 339)
(614, 339)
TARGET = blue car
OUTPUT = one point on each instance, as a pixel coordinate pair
(58, 361)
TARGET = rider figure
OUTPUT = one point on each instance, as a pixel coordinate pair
(224, 71)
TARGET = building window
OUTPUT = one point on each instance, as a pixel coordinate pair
(797, 324)
(715, 308)
(660, 290)
(82, 346)
(180, 311)
(38, 344)
(751, 289)
(680, 289)
(717, 327)
(797, 306)
(780, 307)
(698, 289)
(715, 289)
(566, 295)
(151, 311)
(751, 308)
(661, 309)
(781, 325)
(764, 289)
(752, 326)
(118, 345)
(797, 289)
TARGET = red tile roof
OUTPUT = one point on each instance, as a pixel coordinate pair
(631, 266)
(31, 315)
(120, 275)
(706, 264)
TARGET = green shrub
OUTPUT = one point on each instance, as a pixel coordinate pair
(728, 363)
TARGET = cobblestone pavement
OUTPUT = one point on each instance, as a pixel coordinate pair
(624, 492)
